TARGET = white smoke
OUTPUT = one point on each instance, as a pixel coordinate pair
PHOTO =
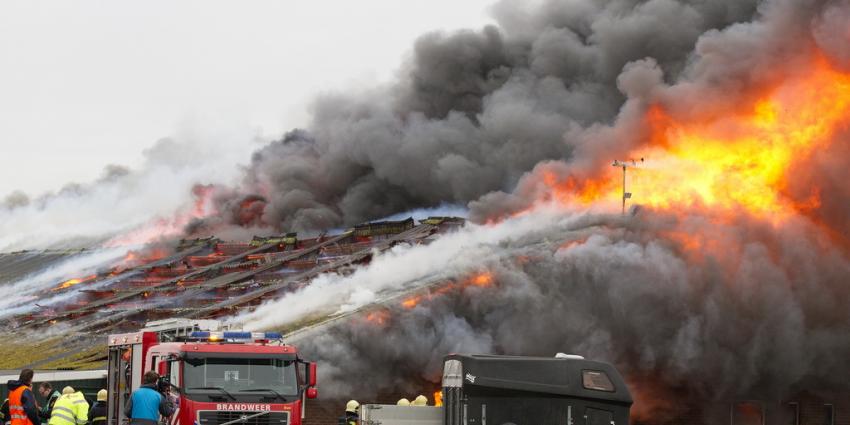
(21, 295)
(153, 201)
(405, 266)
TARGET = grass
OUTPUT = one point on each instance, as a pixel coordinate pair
(52, 353)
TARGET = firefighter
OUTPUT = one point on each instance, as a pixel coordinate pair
(403, 402)
(46, 390)
(71, 408)
(97, 413)
(147, 403)
(351, 417)
(22, 407)
(420, 400)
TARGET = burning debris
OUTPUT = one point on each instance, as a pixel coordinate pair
(210, 278)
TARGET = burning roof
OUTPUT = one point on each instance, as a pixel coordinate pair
(207, 278)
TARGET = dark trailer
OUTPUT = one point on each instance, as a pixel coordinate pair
(561, 390)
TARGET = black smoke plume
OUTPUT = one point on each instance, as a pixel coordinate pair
(475, 110)
(691, 306)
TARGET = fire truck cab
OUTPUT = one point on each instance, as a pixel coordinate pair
(213, 375)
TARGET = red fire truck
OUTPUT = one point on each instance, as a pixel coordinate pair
(214, 375)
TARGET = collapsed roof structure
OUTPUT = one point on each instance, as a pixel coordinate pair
(203, 278)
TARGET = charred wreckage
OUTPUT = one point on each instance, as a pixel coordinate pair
(207, 278)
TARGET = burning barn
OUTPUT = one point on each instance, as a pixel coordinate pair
(723, 298)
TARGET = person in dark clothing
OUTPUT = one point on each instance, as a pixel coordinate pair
(97, 413)
(4, 412)
(146, 404)
(22, 407)
(46, 390)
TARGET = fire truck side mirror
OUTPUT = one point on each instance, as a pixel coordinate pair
(312, 393)
(311, 376)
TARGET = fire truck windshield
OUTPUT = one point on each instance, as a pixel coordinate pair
(216, 378)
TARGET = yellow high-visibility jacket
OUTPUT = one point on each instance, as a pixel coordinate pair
(70, 409)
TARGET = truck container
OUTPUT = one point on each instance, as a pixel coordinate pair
(513, 390)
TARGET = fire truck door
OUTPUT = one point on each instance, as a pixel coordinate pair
(168, 369)
(174, 373)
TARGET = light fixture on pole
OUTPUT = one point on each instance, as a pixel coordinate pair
(625, 164)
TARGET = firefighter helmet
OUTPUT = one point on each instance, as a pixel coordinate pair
(352, 406)
(101, 395)
(68, 390)
(403, 402)
(420, 400)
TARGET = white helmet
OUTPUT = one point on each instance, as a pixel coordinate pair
(420, 400)
(352, 406)
(403, 402)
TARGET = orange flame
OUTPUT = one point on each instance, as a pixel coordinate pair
(735, 161)
(135, 258)
(75, 281)
(653, 400)
(411, 301)
(379, 317)
(482, 279)
(438, 398)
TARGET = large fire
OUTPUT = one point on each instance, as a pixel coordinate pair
(735, 160)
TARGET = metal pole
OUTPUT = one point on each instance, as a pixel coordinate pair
(624, 190)
(625, 165)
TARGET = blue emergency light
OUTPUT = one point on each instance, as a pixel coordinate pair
(234, 335)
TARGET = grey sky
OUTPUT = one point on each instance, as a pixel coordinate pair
(89, 83)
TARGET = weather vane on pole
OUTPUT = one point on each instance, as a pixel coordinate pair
(625, 164)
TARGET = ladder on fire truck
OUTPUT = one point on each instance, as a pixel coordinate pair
(177, 328)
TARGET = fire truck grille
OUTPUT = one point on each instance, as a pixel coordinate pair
(217, 418)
